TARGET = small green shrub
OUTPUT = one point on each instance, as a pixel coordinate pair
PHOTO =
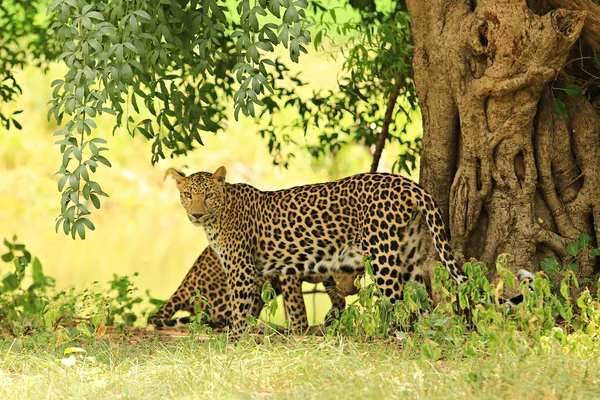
(30, 303)
(198, 320)
(24, 289)
(470, 316)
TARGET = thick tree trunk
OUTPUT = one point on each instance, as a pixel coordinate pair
(510, 175)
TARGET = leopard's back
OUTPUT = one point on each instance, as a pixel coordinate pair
(331, 227)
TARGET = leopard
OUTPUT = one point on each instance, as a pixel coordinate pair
(207, 278)
(329, 227)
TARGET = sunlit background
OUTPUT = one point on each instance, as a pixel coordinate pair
(142, 227)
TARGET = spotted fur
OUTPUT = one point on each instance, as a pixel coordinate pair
(319, 228)
(208, 279)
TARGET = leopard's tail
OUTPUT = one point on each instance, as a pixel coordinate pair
(428, 207)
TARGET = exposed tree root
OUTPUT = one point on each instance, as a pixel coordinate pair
(543, 146)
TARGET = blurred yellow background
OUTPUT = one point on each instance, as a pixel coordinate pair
(141, 227)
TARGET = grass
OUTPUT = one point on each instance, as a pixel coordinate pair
(142, 228)
(288, 368)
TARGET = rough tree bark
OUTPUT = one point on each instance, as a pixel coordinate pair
(510, 175)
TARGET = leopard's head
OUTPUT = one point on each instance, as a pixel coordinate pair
(202, 194)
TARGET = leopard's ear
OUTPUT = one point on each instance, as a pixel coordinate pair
(219, 175)
(178, 176)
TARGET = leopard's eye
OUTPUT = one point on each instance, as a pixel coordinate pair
(187, 194)
(208, 196)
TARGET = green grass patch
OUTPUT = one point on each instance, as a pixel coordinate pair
(287, 368)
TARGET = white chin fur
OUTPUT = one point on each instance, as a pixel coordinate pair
(194, 221)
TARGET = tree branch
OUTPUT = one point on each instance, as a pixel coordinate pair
(387, 120)
(591, 29)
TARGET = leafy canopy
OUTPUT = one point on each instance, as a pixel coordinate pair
(179, 59)
(169, 69)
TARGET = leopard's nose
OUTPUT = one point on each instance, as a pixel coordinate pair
(196, 215)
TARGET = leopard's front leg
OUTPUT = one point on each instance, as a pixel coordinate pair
(241, 277)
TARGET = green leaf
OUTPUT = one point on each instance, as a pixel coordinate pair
(8, 257)
(560, 108)
(504, 272)
(131, 47)
(98, 140)
(90, 122)
(27, 256)
(253, 21)
(549, 265)
(19, 266)
(73, 182)
(595, 252)
(108, 111)
(143, 14)
(266, 46)
(133, 24)
(266, 292)
(82, 209)
(318, 39)
(88, 223)
(284, 36)
(273, 7)
(95, 200)
(95, 15)
(77, 153)
(368, 267)
(84, 173)
(38, 275)
(290, 15)
(61, 182)
(104, 161)
(273, 308)
(573, 248)
(572, 267)
(564, 289)
(584, 240)
(10, 282)
(80, 229)
(573, 90)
